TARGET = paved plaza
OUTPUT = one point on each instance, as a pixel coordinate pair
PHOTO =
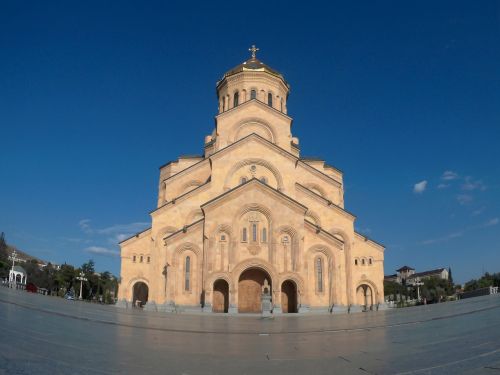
(48, 335)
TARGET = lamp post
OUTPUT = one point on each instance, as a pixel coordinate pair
(81, 278)
(418, 284)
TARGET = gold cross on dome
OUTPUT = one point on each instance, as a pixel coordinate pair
(253, 50)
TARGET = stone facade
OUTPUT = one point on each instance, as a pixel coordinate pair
(248, 214)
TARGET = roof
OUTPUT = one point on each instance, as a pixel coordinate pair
(405, 268)
(254, 64)
(428, 273)
(19, 269)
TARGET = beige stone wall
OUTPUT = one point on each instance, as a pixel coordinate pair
(253, 177)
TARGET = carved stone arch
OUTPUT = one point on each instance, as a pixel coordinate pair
(213, 241)
(255, 263)
(313, 217)
(254, 207)
(320, 249)
(137, 279)
(365, 280)
(345, 237)
(223, 228)
(317, 189)
(268, 132)
(219, 276)
(296, 278)
(194, 215)
(331, 288)
(300, 297)
(186, 246)
(295, 253)
(163, 232)
(188, 186)
(130, 286)
(176, 266)
(262, 163)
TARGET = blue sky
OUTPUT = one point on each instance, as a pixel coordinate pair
(404, 98)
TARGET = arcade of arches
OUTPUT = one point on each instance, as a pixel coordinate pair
(251, 211)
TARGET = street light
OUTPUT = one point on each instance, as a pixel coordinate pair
(82, 279)
(418, 284)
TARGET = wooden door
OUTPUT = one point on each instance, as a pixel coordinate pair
(250, 291)
(288, 297)
(221, 297)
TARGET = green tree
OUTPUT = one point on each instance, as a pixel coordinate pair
(3, 248)
(88, 268)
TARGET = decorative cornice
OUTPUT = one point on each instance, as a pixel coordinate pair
(181, 197)
(374, 243)
(185, 229)
(291, 202)
(325, 201)
(339, 244)
(135, 236)
(190, 168)
(251, 101)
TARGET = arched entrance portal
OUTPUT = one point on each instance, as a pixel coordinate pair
(250, 290)
(140, 295)
(289, 297)
(364, 296)
(221, 296)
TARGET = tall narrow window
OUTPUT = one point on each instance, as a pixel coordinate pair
(254, 232)
(281, 104)
(236, 99)
(244, 235)
(264, 235)
(187, 274)
(270, 100)
(223, 104)
(319, 274)
(253, 94)
(134, 258)
(243, 180)
(263, 180)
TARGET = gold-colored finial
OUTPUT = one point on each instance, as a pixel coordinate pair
(253, 50)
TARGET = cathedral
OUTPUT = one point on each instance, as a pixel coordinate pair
(251, 216)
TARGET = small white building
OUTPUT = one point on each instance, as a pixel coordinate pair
(18, 276)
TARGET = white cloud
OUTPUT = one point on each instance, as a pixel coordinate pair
(460, 233)
(119, 232)
(419, 187)
(471, 185)
(492, 222)
(443, 186)
(84, 225)
(464, 199)
(102, 251)
(131, 228)
(115, 233)
(449, 176)
(477, 212)
(443, 239)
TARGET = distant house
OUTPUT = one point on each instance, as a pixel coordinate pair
(407, 276)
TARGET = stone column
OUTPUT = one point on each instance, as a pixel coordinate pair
(233, 301)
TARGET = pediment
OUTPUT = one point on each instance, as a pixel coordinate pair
(255, 191)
